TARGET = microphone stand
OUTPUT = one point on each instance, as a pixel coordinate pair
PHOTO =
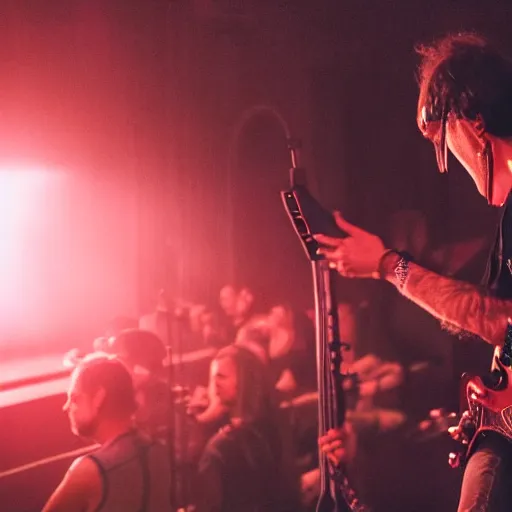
(171, 418)
(176, 428)
(178, 393)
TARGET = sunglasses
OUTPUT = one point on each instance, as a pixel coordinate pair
(435, 131)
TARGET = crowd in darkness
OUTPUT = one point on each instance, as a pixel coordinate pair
(248, 430)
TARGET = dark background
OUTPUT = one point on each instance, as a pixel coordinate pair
(173, 101)
(160, 92)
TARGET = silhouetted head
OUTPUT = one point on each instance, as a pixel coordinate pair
(465, 105)
(101, 390)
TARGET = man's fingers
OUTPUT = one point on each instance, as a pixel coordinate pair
(365, 365)
(343, 269)
(331, 254)
(458, 434)
(331, 435)
(332, 446)
(454, 431)
(345, 226)
(335, 258)
(328, 241)
(337, 458)
(324, 441)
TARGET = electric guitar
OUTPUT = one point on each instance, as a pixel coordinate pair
(308, 218)
(488, 402)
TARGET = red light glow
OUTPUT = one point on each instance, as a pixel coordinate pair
(68, 248)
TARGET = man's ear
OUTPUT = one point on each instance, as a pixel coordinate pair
(99, 398)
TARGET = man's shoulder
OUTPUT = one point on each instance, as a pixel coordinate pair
(81, 487)
(123, 449)
(85, 470)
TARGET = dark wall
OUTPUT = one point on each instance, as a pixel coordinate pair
(343, 78)
(160, 92)
(366, 90)
(231, 227)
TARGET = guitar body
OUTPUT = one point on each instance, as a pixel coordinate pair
(489, 402)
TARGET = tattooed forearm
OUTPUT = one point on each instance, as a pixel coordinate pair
(462, 334)
(460, 304)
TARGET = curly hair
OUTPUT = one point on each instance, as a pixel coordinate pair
(463, 74)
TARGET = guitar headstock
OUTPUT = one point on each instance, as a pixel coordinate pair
(309, 218)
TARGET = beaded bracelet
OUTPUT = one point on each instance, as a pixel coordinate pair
(401, 268)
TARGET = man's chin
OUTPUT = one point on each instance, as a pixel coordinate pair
(84, 432)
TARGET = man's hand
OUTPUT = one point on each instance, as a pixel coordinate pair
(375, 375)
(465, 430)
(339, 445)
(198, 400)
(357, 255)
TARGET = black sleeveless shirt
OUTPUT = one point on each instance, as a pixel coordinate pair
(474, 355)
(135, 474)
(498, 276)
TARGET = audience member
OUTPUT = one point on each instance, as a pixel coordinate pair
(128, 472)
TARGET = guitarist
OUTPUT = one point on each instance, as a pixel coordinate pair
(465, 105)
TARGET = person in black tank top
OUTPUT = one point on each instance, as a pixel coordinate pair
(128, 472)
